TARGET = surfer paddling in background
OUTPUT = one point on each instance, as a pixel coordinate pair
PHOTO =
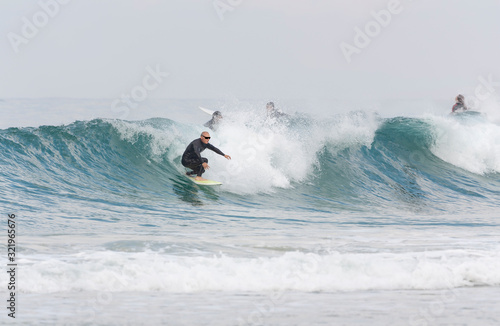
(459, 104)
(192, 156)
(215, 121)
(275, 116)
(273, 113)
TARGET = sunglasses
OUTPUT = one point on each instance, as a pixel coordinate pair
(206, 137)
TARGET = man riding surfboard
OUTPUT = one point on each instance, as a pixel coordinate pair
(192, 155)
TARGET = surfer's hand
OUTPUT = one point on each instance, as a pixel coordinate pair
(205, 166)
(227, 156)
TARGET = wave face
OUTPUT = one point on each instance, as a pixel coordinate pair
(354, 162)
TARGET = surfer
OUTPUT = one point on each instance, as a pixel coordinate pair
(192, 155)
(459, 104)
(215, 121)
(273, 113)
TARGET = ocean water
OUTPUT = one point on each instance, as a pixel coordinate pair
(348, 218)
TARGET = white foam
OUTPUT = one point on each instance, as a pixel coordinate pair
(297, 271)
(270, 154)
(472, 143)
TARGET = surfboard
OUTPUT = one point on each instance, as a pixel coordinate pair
(207, 111)
(468, 113)
(205, 182)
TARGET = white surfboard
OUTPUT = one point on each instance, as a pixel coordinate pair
(205, 182)
(468, 113)
(207, 111)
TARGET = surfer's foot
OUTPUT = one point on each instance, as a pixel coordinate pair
(190, 173)
(199, 179)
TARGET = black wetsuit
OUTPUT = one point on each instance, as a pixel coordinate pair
(276, 114)
(458, 107)
(192, 156)
(212, 124)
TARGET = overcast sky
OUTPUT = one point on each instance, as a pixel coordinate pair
(247, 49)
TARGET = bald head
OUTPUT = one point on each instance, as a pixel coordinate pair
(205, 137)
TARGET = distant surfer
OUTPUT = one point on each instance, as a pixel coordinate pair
(215, 121)
(192, 156)
(273, 113)
(459, 104)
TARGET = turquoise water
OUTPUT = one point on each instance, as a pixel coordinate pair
(346, 209)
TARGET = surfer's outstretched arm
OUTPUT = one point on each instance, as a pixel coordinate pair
(218, 151)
